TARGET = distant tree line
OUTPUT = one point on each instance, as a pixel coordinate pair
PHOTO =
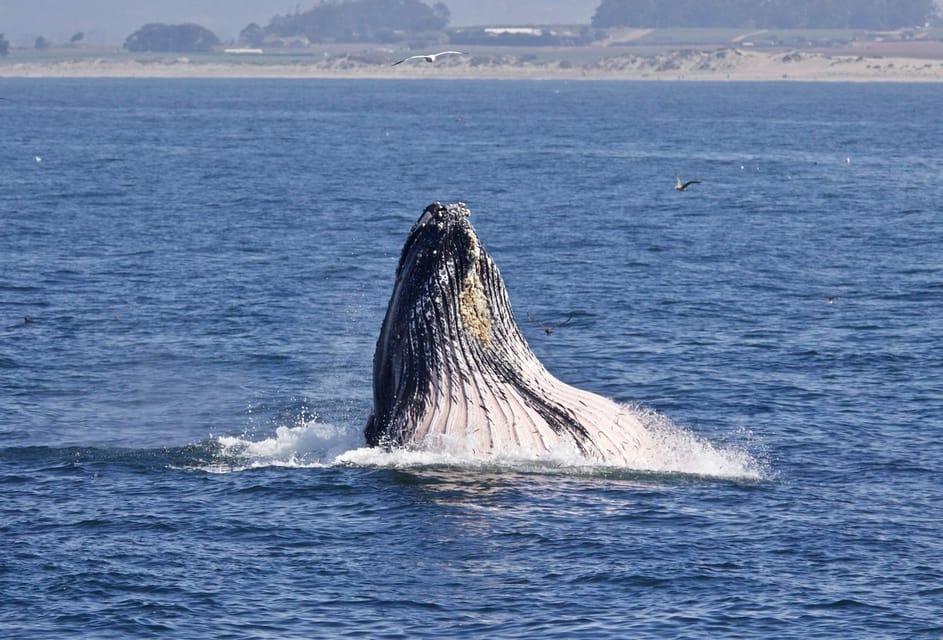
(172, 38)
(353, 21)
(40, 43)
(781, 14)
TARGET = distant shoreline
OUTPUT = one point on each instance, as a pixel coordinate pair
(726, 64)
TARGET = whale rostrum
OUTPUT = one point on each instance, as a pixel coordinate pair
(452, 371)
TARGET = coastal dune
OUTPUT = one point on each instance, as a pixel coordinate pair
(733, 64)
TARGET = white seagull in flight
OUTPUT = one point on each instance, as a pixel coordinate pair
(429, 57)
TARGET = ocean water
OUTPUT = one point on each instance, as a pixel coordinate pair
(193, 274)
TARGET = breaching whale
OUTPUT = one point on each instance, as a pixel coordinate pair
(452, 371)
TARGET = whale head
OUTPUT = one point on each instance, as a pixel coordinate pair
(452, 370)
(448, 316)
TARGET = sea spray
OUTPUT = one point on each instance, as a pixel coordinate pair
(319, 444)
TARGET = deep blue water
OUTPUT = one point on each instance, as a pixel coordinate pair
(206, 264)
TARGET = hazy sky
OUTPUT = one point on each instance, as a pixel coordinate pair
(111, 21)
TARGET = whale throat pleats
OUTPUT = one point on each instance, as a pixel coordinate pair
(453, 372)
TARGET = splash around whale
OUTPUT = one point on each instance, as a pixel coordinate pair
(453, 373)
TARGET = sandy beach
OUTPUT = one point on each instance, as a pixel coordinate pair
(726, 64)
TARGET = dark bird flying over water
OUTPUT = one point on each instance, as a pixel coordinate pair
(548, 328)
(684, 187)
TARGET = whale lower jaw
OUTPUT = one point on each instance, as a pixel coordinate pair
(481, 416)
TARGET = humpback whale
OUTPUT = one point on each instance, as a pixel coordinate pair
(452, 371)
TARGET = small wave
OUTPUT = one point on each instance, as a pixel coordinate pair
(511, 460)
(321, 444)
(312, 444)
(679, 450)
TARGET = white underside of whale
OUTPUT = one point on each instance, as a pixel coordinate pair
(470, 410)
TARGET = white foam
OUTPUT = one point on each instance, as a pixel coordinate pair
(679, 450)
(444, 455)
(320, 444)
(312, 444)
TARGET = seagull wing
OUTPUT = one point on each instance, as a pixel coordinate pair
(432, 58)
(689, 183)
(429, 56)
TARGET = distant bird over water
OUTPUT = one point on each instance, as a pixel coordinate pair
(429, 57)
(548, 328)
(684, 187)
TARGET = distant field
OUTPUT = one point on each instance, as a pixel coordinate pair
(690, 36)
(924, 43)
(784, 37)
